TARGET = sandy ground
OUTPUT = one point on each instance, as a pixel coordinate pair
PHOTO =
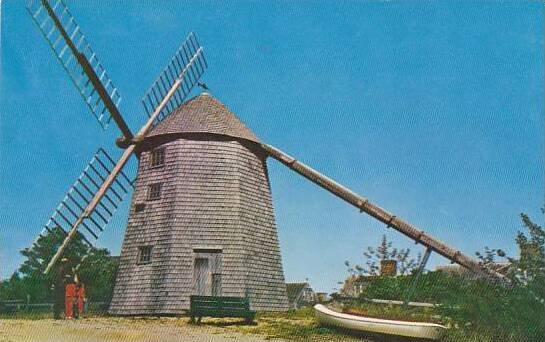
(117, 329)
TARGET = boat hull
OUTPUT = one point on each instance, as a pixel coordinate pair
(327, 316)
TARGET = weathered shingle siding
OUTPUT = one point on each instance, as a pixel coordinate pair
(140, 287)
(265, 280)
(215, 194)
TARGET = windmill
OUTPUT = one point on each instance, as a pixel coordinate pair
(201, 218)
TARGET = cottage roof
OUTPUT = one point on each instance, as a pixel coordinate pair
(203, 114)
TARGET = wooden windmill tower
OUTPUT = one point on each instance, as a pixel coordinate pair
(201, 219)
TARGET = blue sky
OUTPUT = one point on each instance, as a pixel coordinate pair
(434, 111)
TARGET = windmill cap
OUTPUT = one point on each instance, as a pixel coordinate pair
(203, 114)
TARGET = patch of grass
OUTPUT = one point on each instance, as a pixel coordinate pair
(464, 335)
(37, 315)
(301, 325)
(26, 315)
(293, 325)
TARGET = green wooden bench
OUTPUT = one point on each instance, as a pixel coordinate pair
(213, 306)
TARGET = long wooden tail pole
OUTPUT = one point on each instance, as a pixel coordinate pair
(118, 167)
(382, 215)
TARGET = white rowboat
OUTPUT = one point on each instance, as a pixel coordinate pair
(376, 325)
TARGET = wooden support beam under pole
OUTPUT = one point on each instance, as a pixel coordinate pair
(417, 276)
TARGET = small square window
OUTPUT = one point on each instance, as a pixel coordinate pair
(144, 254)
(138, 207)
(154, 191)
(157, 157)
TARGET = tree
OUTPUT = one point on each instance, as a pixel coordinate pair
(95, 267)
(490, 255)
(41, 252)
(11, 288)
(385, 251)
(98, 272)
(529, 269)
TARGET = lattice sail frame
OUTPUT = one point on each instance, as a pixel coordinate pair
(189, 63)
(79, 195)
(69, 61)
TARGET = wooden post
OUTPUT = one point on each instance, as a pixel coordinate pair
(419, 271)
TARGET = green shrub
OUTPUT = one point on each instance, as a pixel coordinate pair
(501, 312)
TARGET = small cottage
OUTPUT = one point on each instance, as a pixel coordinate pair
(300, 295)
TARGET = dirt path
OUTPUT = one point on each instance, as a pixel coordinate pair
(116, 329)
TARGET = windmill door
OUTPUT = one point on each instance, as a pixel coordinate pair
(201, 274)
(207, 272)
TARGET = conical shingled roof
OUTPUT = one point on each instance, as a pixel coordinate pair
(203, 114)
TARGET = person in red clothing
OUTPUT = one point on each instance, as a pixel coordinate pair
(80, 294)
(69, 298)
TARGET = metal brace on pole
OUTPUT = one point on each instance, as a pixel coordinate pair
(417, 275)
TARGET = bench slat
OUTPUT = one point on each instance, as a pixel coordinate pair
(211, 306)
(221, 303)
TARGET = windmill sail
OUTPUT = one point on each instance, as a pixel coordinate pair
(187, 64)
(382, 215)
(71, 211)
(78, 59)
